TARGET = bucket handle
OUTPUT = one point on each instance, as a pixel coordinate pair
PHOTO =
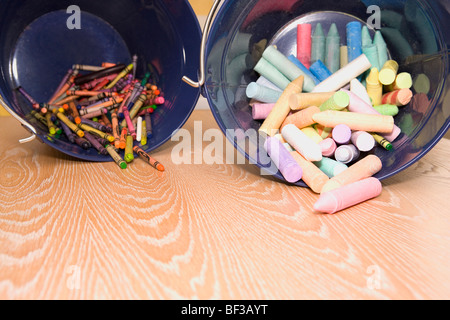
(25, 124)
(202, 75)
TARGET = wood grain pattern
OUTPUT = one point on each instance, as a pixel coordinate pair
(76, 230)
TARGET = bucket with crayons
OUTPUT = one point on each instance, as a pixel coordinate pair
(256, 43)
(41, 41)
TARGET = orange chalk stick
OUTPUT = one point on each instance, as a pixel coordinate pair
(399, 98)
(363, 169)
(302, 118)
(281, 109)
(312, 175)
(301, 101)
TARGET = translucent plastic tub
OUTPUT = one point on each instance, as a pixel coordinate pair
(417, 35)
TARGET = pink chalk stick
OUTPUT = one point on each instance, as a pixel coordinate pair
(261, 111)
(328, 147)
(304, 44)
(348, 196)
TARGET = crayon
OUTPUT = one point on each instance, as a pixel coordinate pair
(69, 133)
(388, 72)
(399, 98)
(81, 67)
(347, 153)
(288, 68)
(344, 75)
(72, 126)
(260, 111)
(281, 109)
(29, 98)
(318, 44)
(96, 132)
(52, 129)
(320, 70)
(342, 134)
(302, 143)
(148, 125)
(262, 93)
(304, 44)
(129, 157)
(312, 175)
(146, 157)
(95, 143)
(115, 129)
(99, 74)
(301, 119)
(328, 147)
(331, 167)
(333, 49)
(83, 143)
(65, 87)
(362, 140)
(382, 142)
(283, 160)
(96, 125)
(63, 81)
(268, 71)
(129, 122)
(76, 115)
(120, 76)
(139, 129)
(144, 137)
(339, 101)
(374, 87)
(123, 138)
(356, 121)
(365, 168)
(302, 100)
(354, 40)
(348, 196)
(116, 157)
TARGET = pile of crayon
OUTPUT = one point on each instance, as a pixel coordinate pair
(325, 110)
(103, 107)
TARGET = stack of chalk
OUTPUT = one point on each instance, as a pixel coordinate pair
(326, 110)
(102, 107)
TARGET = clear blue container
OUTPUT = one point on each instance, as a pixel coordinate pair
(36, 49)
(417, 35)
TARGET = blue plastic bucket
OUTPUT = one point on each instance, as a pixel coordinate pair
(39, 42)
(418, 37)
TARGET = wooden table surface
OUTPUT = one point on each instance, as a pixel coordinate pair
(76, 230)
